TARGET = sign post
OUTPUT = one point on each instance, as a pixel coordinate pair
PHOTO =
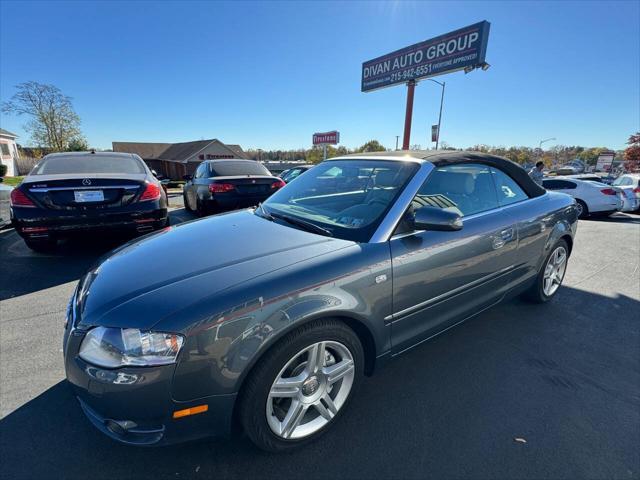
(411, 86)
(462, 49)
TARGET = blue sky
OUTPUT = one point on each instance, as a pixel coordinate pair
(267, 75)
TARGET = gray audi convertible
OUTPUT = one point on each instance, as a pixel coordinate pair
(267, 319)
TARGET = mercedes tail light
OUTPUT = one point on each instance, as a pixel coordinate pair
(151, 192)
(19, 199)
(277, 184)
(221, 187)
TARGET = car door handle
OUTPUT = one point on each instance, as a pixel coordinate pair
(506, 234)
(498, 243)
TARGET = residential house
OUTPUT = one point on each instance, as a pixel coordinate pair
(9, 152)
(174, 160)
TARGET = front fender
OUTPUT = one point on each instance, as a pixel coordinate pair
(249, 319)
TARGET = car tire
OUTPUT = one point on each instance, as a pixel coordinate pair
(42, 245)
(263, 414)
(583, 210)
(539, 291)
(201, 211)
(187, 207)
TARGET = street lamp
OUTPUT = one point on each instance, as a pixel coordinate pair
(440, 115)
(543, 141)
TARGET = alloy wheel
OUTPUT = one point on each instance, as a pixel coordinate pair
(310, 390)
(554, 271)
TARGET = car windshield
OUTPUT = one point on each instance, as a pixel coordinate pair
(83, 164)
(229, 168)
(347, 198)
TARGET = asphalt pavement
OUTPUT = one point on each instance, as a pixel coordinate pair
(520, 391)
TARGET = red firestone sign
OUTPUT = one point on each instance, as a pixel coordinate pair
(328, 138)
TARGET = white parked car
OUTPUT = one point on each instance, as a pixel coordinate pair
(629, 184)
(591, 197)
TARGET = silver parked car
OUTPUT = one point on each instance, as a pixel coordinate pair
(629, 184)
(270, 317)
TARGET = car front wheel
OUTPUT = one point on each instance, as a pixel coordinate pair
(551, 275)
(301, 386)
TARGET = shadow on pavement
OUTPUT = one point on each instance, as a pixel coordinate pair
(618, 218)
(562, 376)
(25, 271)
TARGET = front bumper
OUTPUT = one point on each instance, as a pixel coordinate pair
(134, 405)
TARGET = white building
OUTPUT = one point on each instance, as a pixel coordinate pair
(9, 152)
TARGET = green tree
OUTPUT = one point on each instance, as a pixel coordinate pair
(78, 144)
(53, 121)
(371, 146)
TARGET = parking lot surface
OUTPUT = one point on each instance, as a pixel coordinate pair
(520, 391)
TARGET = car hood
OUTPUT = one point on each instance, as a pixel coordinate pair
(142, 282)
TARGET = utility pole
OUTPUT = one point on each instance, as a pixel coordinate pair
(411, 86)
(442, 84)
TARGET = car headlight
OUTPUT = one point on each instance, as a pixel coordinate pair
(119, 347)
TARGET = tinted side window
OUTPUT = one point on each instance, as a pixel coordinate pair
(201, 171)
(465, 189)
(508, 190)
(558, 185)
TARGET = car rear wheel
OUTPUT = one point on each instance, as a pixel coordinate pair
(185, 200)
(301, 386)
(47, 245)
(201, 211)
(551, 275)
(583, 210)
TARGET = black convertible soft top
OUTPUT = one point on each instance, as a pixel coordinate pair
(451, 157)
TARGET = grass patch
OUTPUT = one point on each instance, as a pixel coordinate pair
(11, 181)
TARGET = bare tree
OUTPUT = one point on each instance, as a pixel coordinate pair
(54, 123)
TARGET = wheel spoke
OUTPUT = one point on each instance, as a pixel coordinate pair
(315, 360)
(336, 371)
(293, 418)
(287, 387)
(326, 407)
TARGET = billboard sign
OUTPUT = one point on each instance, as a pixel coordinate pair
(605, 161)
(327, 138)
(447, 53)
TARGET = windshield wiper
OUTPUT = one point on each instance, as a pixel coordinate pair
(308, 226)
(264, 214)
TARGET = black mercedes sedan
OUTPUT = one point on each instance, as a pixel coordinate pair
(272, 325)
(70, 193)
(222, 185)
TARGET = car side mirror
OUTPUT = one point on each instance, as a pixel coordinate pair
(187, 177)
(431, 218)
